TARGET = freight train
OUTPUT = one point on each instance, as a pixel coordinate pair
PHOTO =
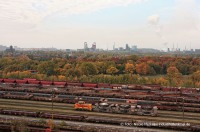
(138, 107)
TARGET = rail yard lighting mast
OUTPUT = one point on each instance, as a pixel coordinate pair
(183, 107)
(51, 123)
(52, 97)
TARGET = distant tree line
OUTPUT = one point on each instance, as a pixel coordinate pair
(105, 67)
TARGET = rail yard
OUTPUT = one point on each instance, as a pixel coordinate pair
(128, 105)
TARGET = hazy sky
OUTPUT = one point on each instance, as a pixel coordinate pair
(69, 23)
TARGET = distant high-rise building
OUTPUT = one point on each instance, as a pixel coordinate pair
(85, 46)
(93, 46)
(121, 48)
(127, 47)
(2, 48)
(197, 51)
(168, 49)
(11, 49)
(68, 50)
(114, 46)
(134, 48)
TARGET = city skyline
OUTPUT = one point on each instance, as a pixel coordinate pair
(68, 24)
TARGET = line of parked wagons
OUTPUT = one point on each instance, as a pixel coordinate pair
(72, 99)
(63, 84)
(82, 118)
(166, 94)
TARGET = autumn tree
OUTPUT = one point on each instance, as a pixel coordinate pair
(112, 70)
(12, 68)
(66, 67)
(5, 62)
(109, 64)
(129, 68)
(133, 57)
(196, 78)
(73, 72)
(40, 76)
(162, 81)
(174, 76)
(194, 68)
(101, 67)
(143, 68)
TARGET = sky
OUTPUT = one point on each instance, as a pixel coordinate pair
(67, 24)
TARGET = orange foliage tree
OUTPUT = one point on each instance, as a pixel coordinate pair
(174, 76)
(129, 68)
(196, 78)
(143, 68)
(112, 70)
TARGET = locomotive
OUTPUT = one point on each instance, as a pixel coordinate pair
(137, 107)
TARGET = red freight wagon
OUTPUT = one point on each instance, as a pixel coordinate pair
(46, 82)
(93, 85)
(139, 87)
(74, 84)
(1, 79)
(19, 81)
(9, 80)
(154, 86)
(169, 89)
(60, 83)
(33, 82)
(30, 79)
(132, 86)
(117, 86)
(103, 85)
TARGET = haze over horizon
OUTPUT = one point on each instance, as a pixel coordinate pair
(67, 24)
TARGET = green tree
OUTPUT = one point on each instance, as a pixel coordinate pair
(88, 68)
(156, 68)
(47, 67)
(101, 67)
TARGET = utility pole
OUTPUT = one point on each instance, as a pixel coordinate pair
(176, 97)
(51, 123)
(183, 107)
(52, 96)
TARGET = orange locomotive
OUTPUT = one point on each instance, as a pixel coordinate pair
(81, 105)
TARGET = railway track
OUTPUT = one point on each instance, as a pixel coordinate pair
(68, 108)
(29, 104)
(82, 126)
(162, 105)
